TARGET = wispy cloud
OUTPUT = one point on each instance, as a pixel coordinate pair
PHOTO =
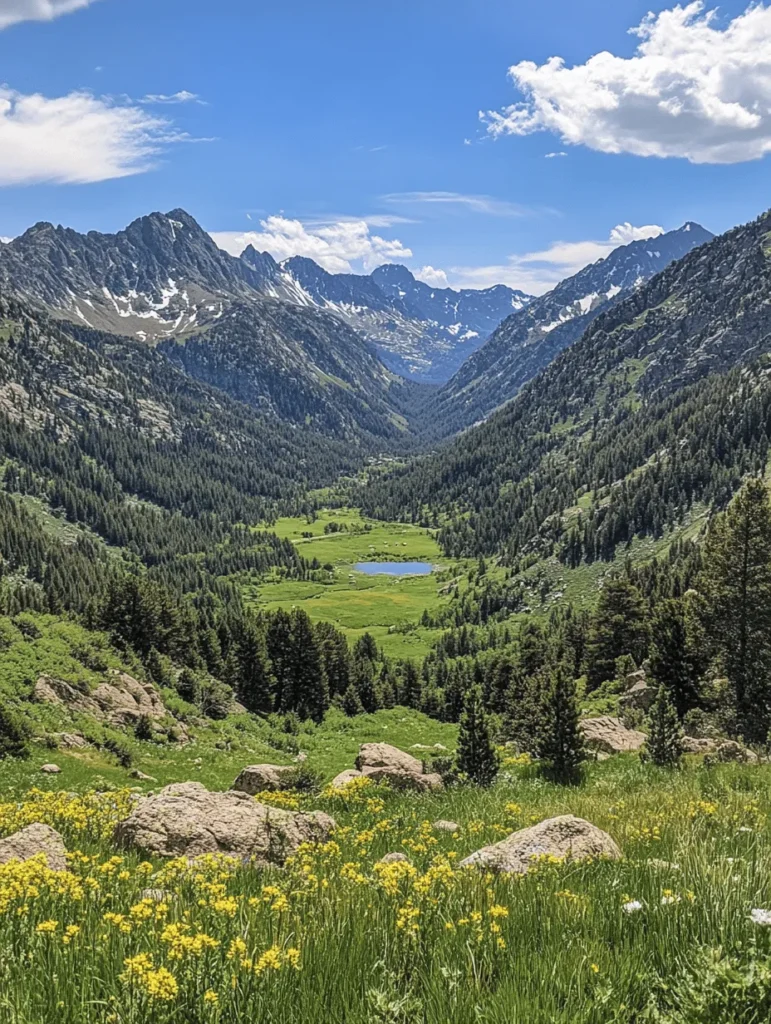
(14, 11)
(77, 138)
(551, 156)
(539, 271)
(183, 96)
(691, 90)
(474, 203)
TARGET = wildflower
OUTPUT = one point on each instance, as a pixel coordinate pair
(161, 984)
(47, 927)
(632, 906)
(595, 968)
(210, 996)
(498, 911)
(668, 898)
(761, 917)
(70, 932)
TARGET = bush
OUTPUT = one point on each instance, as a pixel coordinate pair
(14, 734)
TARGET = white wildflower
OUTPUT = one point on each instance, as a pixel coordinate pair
(632, 907)
(761, 917)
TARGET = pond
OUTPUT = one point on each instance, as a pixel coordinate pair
(394, 568)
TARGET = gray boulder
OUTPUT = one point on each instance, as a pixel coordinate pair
(383, 763)
(33, 840)
(259, 778)
(567, 837)
(186, 820)
(610, 736)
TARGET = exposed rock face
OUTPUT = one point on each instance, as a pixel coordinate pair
(610, 736)
(639, 695)
(33, 840)
(699, 745)
(257, 778)
(121, 701)
(383, 763)
(730, 750)
(70, 740)
(187, 820)
(566, 837)
(345, 777)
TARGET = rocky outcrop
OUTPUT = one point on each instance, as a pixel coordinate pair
(639, 696)
(566, 837)
(383, 763)
(610, 736)
(699, 745)
(120, 701)
(32, 841)
(730, 750)
(345, 777)
(259, 778)
(186, 820)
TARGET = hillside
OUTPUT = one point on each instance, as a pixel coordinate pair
(528, 340)
(661, 403)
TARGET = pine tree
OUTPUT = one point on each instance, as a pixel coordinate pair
(253, 683)
(13, 734)
(477, 757)
(735, 587)
(673, 661)
(618, 627)
(561, 744)
(665, 738)
(351, 703)
(310, 693)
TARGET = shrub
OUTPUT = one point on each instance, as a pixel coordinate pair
(14, 733)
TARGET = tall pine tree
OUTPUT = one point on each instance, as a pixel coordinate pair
(477, 757)
(561, 745)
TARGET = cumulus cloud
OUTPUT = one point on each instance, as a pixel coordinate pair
(76, 138)
(692, 89)
(432, 277)
(14, 11)
(537, 272)
(474, 203)
(341, 247)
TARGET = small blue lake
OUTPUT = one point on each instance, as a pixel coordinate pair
(394, 568)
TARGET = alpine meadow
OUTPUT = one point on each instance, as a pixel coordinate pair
(385, 529)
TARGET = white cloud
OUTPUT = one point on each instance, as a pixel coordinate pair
(183, 96)
(475, 203)
(551, 156)
(691, 90)
(432, 277)
(14, 11)
(537, 272)
(75, 138)
(341, 247)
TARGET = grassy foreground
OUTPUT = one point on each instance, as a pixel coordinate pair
(663, 935)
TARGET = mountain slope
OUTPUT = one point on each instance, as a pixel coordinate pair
(663, 402)
(420, 332)
(528, 340)
(251, 330)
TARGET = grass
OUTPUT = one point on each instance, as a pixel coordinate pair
(388, 607)
(423, 942)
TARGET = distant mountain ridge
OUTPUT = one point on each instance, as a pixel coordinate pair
(529, 339)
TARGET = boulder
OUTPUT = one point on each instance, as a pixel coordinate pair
(259, 778)
(567, 837)
(639, 697)
(699, 745)
(383, 763)
(730, 750)
(445, 826)
(186, 820)
(120, 701)
(50, 769)
(33, 840)
(135, 773)
(610, 736)
(394, 858)
(345, 777)
(70, 740)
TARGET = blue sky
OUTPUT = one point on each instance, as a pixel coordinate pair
(351, 132)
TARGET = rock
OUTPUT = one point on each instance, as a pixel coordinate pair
(394, 858)
(639, 697)
(70, 740)
(186, 819)
(136, 774)
(610, 735)
(31, 841)
(159, 895)
(383, 763)
(699, 745)
(345, 777)
(121, 701)
(566, 837)
(730, 750)
(50, 769)
(445, 826)
(258, 778)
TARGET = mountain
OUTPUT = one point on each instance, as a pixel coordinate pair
(663, 404)
(420, 332)
(530, 338)
(238, 324)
